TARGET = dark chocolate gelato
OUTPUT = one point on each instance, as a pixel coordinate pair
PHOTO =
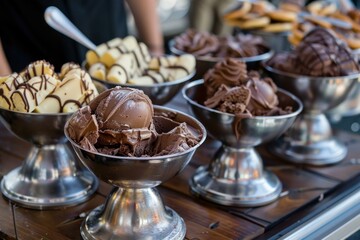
(230, 88)
(207, 44)
(319, 54)
(121, 121)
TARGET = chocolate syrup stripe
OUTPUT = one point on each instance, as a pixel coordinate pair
(7, 100)
(32, 90)
(126, 73)
(58, 99)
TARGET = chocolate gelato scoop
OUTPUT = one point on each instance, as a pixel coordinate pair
(121, 121)
(319, 54)
(229, 72)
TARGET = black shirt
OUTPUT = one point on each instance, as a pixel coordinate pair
(26, 37)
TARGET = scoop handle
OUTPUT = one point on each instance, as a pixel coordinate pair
(57, 20)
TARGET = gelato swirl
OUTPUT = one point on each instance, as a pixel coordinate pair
(207, 44)
(230, 72)
(197, 43)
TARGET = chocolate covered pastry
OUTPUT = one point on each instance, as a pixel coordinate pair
(121, 121)
(320, 53)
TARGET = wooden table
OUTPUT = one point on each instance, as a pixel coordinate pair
(311, 190)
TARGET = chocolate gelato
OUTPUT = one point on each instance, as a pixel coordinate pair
(121, 121)
(230, 88)
(319, 54)
(209, 45)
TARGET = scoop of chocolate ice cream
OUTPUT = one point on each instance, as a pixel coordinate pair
(124, 108)
(120, 121)
(230, 72)
(263, 95)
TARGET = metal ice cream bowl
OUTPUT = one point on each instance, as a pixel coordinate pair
(310, 139)
(51, 175)
(159, 93)
(134, 195)
(235, 176)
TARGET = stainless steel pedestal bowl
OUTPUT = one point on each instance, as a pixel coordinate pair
(159, 93)
(134, 209)
(310, 139)
(51, 175)
(203, 63)
(236, 176)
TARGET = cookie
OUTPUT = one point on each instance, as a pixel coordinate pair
(282, 16)
(253, 23)
(318, 21)
(289, 7)
(238, 11)
(277, 27)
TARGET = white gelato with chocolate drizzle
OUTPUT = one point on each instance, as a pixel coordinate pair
(40, 89)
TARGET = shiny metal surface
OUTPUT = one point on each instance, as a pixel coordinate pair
(134, 210)
(51, 175)
(58, 21)
(310, 139)
(350, 106)
(142, 216)
(235, 175)
(159, 93)
(278, 42)
(203, 64)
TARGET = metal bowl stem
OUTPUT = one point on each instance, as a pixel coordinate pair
(50, 176)
(134, 209)
(310, 139)
(235, 176)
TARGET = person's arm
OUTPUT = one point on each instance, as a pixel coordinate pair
(148, 24)
(4, 65)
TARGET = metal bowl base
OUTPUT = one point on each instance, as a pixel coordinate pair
(49, 178)
(250, 193)
(133, 214)
(325, 152)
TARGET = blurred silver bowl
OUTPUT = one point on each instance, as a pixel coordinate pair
(277, 41)
(51, 175)
(350, 106)
(236, 176)
(159, 93)
(203, 63)
(134, 209)
(310, 139)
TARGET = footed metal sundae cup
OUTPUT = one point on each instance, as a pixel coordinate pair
(134, 209)
(236, 176)
(51, 175)
(310, 139)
